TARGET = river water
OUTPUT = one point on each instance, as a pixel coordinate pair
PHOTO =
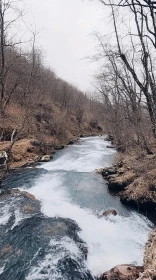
(69, 189)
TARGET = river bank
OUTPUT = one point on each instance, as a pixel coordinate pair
(26, 152)
(133, 179)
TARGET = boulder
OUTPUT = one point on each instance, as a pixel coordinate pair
(59, 147)
(34, 233)
(109, 171)
(46, 158)
(18, 193)
(122, 272)
(110, 212)
(3, 157)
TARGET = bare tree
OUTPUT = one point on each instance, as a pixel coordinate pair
(8, 58)
(137, 61)
(124, 105)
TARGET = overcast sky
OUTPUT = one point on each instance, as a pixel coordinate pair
(65, 28)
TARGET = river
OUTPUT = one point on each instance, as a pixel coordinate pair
(73, 197)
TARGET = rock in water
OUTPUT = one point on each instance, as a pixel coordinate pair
(46, 158)
(109, 212)
(33, 246)
(122, 272)
(109, 171)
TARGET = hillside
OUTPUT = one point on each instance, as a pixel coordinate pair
(40, 107)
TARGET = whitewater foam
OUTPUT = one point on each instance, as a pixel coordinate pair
(83, 157)
(110, 241)
(5, 215)
(57, 250)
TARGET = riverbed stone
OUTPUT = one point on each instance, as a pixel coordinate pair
(122, 272)
(109, 171)
(46, 158)
(109, 212)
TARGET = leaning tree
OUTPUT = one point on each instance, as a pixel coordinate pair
(134, 24)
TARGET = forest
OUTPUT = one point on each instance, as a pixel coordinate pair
(127, 79)
(34, 102)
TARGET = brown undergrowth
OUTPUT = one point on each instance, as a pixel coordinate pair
(133, 178)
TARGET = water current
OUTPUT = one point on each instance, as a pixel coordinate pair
(69, 189)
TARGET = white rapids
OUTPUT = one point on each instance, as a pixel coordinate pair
(111, 241)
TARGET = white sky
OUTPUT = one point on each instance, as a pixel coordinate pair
(65, 28)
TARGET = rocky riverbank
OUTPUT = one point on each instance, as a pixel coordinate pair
(26, 152)
(133, 179)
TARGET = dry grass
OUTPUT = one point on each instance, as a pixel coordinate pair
(51, 127)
